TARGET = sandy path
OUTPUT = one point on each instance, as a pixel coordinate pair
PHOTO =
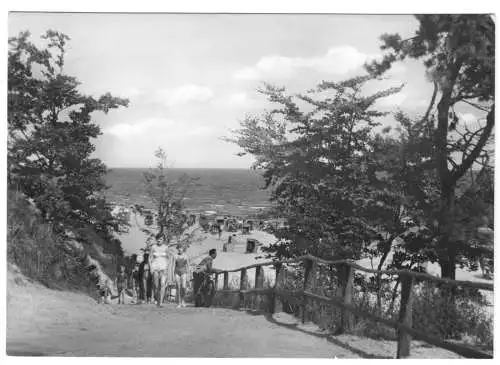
(191, 332)
(44, 322)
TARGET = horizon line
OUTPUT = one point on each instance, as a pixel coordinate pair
(174, 168)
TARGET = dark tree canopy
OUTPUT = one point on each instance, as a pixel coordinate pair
(51, 134)
(318, 166)
(348, 190)
(458, 52)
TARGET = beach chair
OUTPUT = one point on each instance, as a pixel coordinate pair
(251, 245)
(246, 229)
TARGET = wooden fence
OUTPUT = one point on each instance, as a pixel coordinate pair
(345, 274)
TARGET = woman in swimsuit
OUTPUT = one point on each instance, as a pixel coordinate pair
(181, 274)
(158, 263)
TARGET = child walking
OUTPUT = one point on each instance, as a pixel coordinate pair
(121, 284)
(181, 274)
(104, 292)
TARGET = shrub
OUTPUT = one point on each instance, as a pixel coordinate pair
(40, 254)
(437, 310)
(452, 315)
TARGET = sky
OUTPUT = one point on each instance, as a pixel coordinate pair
(191, 78)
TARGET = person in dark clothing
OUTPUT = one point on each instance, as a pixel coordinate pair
(204, 267)
(227, 245)
(136, 282)
(121, 284)
(146, 280)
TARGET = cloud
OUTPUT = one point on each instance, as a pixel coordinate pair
(132, 92)
(392, 100)
(337, 61)
(184, 94)
(129, 92)
(247, 73)
(468, 118)
(198, 131)
(238, 99)
(125, 130)
(234, 100)
(397, 69)
(156, 128)
(421, 103)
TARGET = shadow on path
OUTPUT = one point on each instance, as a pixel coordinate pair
(330, 338)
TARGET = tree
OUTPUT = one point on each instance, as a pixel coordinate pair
(167, 196)
(459, 53)
(50, 133)
(410, 169)
(317, 165)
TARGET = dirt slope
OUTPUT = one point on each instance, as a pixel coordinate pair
(46, 322)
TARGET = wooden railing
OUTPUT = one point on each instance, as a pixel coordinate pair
(345, 275)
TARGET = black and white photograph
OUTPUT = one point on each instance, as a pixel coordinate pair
(250, 185)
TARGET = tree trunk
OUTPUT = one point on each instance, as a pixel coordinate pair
(393, 299)
(387, 250)
(446, 184)
(448, 264)
(447, 256)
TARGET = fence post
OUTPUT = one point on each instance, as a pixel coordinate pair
(313, 285)
(405, 316)
(216, 283)
(259, 284)
(347, 278)
(259, 277)
(225, 286)
(310, 268)
(243, 286)
(276, 304)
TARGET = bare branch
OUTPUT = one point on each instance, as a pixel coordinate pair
(472, 157)
(484, 109)
(431, 104)
(452, 161)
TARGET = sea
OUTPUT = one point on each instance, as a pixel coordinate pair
(236, 192)
(226, 191)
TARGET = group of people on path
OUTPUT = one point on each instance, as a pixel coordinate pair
(164, 267)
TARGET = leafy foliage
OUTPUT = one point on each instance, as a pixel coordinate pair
(39, 253)
(50, 147)
(167, 197)
(458, 52)
(349, 192)
(439, 314)
(411, 169)
(318, 166)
